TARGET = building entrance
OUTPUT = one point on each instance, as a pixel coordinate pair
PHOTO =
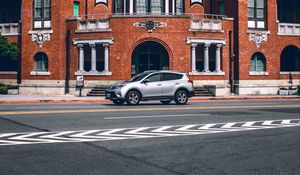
(149, 55)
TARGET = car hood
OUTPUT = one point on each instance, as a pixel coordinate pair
(113, 86)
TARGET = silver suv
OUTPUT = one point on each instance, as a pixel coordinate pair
(152, 85)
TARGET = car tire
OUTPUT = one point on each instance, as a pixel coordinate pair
(133, 98)
(165, 102)
(181, 97)
(118, 102)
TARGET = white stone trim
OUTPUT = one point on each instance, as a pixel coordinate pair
(93, 41)
(207, 73)
(93, 73)
(287, 73)
(8, 73)
(40, 36)
(40, 73)
(258, 73)
(191, 40)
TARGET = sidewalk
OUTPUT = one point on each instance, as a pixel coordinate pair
(27, 99)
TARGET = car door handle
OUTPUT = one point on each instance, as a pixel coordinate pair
(158, 84)
(176, 83)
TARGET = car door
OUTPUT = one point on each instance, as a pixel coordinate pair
(169, 82)
(153, 87)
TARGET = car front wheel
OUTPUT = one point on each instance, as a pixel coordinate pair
(181, 97)
(133, 98)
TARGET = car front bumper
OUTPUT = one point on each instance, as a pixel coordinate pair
(113, 95)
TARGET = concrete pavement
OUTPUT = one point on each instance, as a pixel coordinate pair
(25, 99)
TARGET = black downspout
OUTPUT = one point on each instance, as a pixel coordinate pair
(86, 8)
(67, 78)
(19, 73)
(231, 58)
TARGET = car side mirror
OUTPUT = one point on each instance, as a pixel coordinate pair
(146, 81)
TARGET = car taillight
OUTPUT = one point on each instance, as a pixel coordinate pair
(191, 81)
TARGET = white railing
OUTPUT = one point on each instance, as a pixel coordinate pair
(288, 29)
(90, 25)
(204, 22)
(9, 29)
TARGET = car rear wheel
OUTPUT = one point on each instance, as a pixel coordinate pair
(133, 98)
(118, 102)
(165, 102)
(181, 97)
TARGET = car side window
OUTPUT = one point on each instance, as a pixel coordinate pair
(171, 76)
(154, 78)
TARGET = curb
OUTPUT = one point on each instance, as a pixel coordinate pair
(191, 99)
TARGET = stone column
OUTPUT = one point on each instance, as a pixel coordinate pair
(81, 57)
(218, 58)
(166, 6)
(93, 55)
(173, 7)
(124, 6)
(206, 58)
(194, 46)
(131, 6)
(106, 57)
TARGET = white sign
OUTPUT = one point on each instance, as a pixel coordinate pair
(196, 1)
(80, 78)
(101, 2)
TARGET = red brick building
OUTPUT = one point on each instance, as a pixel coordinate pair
(241, 46)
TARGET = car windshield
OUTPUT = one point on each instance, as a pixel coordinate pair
(138, 77)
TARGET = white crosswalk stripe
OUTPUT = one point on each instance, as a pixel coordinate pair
(141, 132)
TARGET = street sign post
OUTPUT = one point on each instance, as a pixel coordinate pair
(80, 83)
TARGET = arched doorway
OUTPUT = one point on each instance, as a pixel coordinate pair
(290, 59)
(149, 55)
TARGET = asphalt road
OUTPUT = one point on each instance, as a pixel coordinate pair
(207, 137)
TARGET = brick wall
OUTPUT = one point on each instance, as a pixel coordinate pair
(272, 49)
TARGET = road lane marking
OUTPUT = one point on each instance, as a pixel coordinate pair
(143, 109)
(153, 116)
(8, 139)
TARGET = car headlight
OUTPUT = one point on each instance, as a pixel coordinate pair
(120, 86)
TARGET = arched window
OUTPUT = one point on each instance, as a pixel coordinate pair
(290, 59)
(41, 62)
(258, 62)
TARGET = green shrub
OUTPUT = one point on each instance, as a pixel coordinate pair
(12, 87)
(3, 89)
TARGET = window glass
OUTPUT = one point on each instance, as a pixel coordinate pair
(179, 6)
(76, 8)
(38, 3)
(41, 62)
(256, 14)
(260, 13)
(171, 76)
(258, 63)
(41, 12)
(251, 12)
(251, 3)
(141, 6)
(221, 8)
(260, 3)
(154, 78)
(138, 77)
(156, 6)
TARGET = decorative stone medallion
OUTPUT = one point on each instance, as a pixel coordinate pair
(258, 37)
(150, 25)
(40, 37)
